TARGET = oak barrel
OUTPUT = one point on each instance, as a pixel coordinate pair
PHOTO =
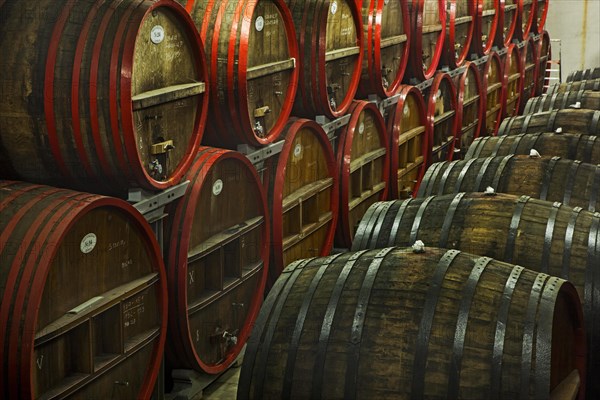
(217, 261)
(100, 96)
(530, 62)
(364, 165)
(588, 100)
(83, 296)
(584, 148)
(392, 323)
(570, 182)
(330, 38)
(461, 17)
(544, 51)
(253, 54)
(585, 74)
(547, 237)
(429, 32)
(409, 145)
(510, 20)
(541, 12)
(569, 120)
(527, 17)
(492, 74)
(470, 106)
(588, 85)
(513, 81)
(387, 38)
(487, 26)
(442, 106)
(302, 184)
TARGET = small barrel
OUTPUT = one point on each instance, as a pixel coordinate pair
(442, 105)
(588, 100)
(510, 20)
(83, 294)
(101, 96)
(330, 37)
(589, 85)
(364, 165)
(584, 148)
(492, 77)
(513, 81)
(527, 17)
(409, 146)
(487, 26)
(429, 17)
(568, 120)
(530, 62)
(582, 75)
(545, 237)
(217, 261)
(302, 184)
(541, 12)
(387, 38)
(461, 17)
(453, 325)
(253, 55)
(544, 51)
(470, 106)
(572, 183)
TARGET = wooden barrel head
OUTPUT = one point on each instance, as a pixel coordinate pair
(492, 79)
(530, 62)
(541, 11)
(387, 36)
(528, 16)
(85, 276)
(302, 184)
(429, 37)
(363, 162)
(544, 51)
(218, 261)
(460, 24)
(510, 18)
(513, 81)
(409, 147)
(487, 26)
(470, 105)
(441, 117)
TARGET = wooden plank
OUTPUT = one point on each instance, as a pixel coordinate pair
(166, 95)
(392, 40)
(463, 20)
(365, 195)
(367, 158)
(306, 192)
(510, 7)
(568, 388)
(471, 101)
(494, 86)
(432, 28)
(443, 117)
(341, 53)
(271, 68)
(307, 230)
(406, 136)
(488, 13)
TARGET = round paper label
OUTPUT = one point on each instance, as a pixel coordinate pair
(88, 243)
(259, 24)
(406, 110)
(334, 7)
(157, 34)
(297, 150)
(217, 187)
(361, 128)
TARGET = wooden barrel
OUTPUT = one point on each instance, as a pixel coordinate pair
(510, 20)
(487, 26)
(546, 237)
(83, 294)
(548, 178)
(513, 81)
(442, 120)
(432, 317)
(112, 94)
(252, 53)
(387, 37)
(217, 261)
(470, 106)
(584, 148)
(530, 62)
(429, 18)
(541, 12)
(364, 165)
(588, 100)
(586, 74)
(330, 37)
(492, 77)
(409, 146)
(544, 51)
(528, 17)
(589, 85)
(569, 120)
(302, 194)
(460, 26)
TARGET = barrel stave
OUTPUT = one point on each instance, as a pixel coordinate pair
(569, 120)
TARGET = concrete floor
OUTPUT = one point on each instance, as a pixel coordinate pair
(224, 388)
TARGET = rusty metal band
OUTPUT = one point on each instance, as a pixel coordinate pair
(570, 183)
(526, 122)
(595, 190)
(552, 120)
(397, 222)
(428, 183)
(568, 244)
(548, 177)
(548, 235)
(365, 228)
(481, 174)
(500, 171)
(498, 144)
(463, 173)
(595, 125)
(445, 231)
(445, 176)
(514, 226)
(414, 231)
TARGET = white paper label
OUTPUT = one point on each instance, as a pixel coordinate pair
(385, 2)
(439, 94)
(334, 7)
(466, 81)
(361, 128)
(217, 187)
(406, 110)
(88, 243)
(157, 34)
(297, 150)
(259, 24)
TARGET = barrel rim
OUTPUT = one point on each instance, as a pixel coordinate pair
(470, 66)
(513, 32)
(457, 61)
(543, 38)
(417, 46)
(541, 21)
(437, 81)
(512, 51)
(494, 57)
(487, 47)
(529, 24)
(531, 45)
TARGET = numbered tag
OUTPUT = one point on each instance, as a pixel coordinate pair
(217, 187)
(88, 243)
(157, 34)
(259, 24)
(334, 7)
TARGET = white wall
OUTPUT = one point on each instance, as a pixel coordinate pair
(577, 24)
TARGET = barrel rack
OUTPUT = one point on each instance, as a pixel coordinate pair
(189, 384)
